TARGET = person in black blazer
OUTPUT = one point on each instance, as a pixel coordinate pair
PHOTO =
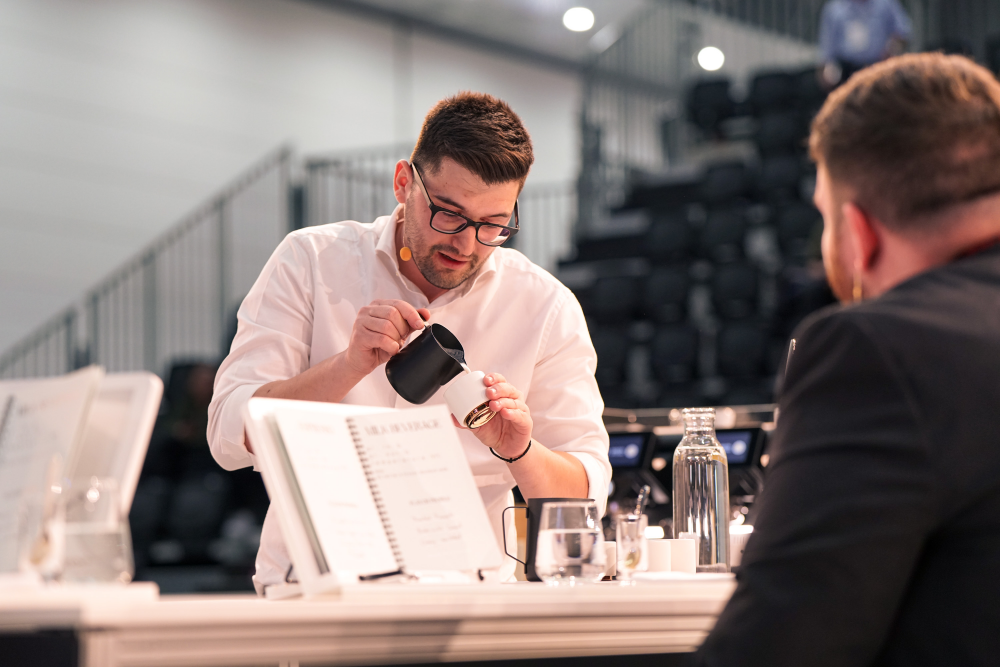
(877, 537)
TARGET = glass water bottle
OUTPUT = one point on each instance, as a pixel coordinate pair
(701, 490)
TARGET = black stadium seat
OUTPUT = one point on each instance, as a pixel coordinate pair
(709, 103)
(796, 224)
(668, 240)
(196, 511)
(772, 91)
(741, 350)
(704, 284)
(674, 354)
(614, 299)
(666, 294)
(749, 392)
(614, 247)
(809, 92)
(734, 291)
(681, 397)
(993, 54)
(612, 347)
(779, 177)
(722, 236)
(724, 182)
(781, 132)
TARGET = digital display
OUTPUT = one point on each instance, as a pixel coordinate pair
(625, 450)
(737, 445)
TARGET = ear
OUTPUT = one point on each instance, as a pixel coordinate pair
(865, 236)
(401, 181)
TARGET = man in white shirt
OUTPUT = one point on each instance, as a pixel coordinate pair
(335, 302)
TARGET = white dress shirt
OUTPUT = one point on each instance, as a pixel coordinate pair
(512, 318)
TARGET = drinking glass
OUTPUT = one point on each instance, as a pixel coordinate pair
(98, 544)
(630, 536)
(570, 546)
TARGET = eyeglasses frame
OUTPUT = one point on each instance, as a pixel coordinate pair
(434, 208)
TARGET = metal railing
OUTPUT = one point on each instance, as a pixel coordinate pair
(353, 185)
(794, 18)
(177, 298)
(358, 186)
(800, 19)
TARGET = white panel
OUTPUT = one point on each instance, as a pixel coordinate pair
(547, 102)
(118, 117)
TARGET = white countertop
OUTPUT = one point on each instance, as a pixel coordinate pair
(374, 624)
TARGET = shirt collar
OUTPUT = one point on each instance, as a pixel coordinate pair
(386, 246)
(385, 227)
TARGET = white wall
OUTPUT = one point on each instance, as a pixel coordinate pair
(117, 117)
(747, 49)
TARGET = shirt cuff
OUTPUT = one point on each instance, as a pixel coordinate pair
(230, 450)
(596, 477)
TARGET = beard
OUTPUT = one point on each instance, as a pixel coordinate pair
(423, 257)
(443, 278)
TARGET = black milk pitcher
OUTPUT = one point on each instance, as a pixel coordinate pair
(426, 364)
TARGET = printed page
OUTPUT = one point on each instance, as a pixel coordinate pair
(417, 463)
(39, 419)
(334, 486)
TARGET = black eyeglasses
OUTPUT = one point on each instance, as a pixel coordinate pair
(450, 222)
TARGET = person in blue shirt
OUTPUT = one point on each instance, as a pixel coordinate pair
(856, 33)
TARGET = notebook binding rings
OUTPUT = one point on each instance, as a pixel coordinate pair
(376, 496)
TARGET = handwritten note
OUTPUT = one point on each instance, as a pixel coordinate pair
(332, 480)
(418, 467)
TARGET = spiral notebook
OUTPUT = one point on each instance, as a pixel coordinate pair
(373, 492)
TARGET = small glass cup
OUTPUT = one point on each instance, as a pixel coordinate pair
(630, 536)
(98, 544)
(570, 547)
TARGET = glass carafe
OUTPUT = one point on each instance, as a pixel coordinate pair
(701, 491)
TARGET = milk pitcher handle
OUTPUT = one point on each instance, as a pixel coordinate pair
(503, 523)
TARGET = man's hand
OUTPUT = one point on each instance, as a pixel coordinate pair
(542, 473)
(379, 332)
(509, 431)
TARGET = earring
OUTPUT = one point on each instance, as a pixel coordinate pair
(858, 293)
(405, 254)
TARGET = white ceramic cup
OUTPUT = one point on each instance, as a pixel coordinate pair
(683, 556)
(659, 555)
(610, 559)
(738, 537)
(466, 398)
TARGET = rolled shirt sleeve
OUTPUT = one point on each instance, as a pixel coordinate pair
(271, 343)
(564, 399)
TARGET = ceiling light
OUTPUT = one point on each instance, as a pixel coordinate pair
(711, 58)
(578, 19)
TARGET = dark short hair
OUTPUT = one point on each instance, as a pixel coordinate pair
(479, 132)
(912, 136)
